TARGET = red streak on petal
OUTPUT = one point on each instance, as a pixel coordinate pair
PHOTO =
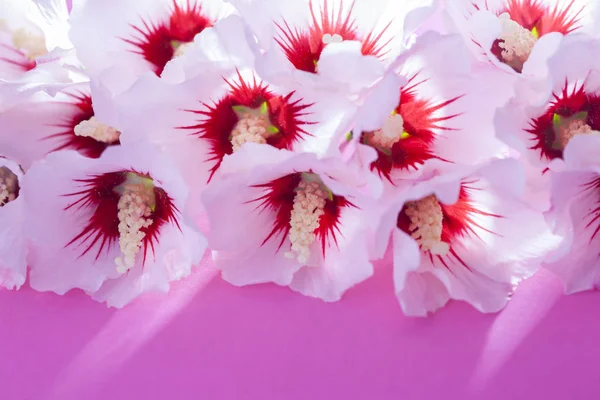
(329, 223)
(459, 219)
(98, 200)
(99, 197)
(566, 104)
(82, 110)
(594, 215)
(154, 40)
(531, 14)
(220, 118)
(279, 197)
(420, 123)
(458, 222)
(165, 212)
(186, 23)
(16, 58)
(303, 47)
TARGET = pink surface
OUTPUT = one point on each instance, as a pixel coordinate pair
(210, 340)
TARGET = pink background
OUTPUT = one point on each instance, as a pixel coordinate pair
(210, 340)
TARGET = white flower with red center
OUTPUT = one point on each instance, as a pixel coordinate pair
(309, 220)
(13, 246)
(430, 126)
(250, 112)
(67, 120)
(507, 32)
(121, 230)
(29, 30)
(333, 44)
(575, 216)
(540, 123)
(137, 37)
(462, 237)
(199, 129)
(203, 120)
(36, 54)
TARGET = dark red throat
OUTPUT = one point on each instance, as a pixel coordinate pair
(421, 123)
(81, 109)
(458, 222)
(564, 104)
(303, 47)
(278, 198)
(219, 119)
(155, 40)
(98, 200)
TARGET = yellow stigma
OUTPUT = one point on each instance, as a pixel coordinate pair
(179, 48)
(535, 33)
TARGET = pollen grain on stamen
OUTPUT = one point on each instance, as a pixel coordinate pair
(135, 210)
(122, 207)
(426, 217)
(31, 44)
(309, 206)
(96, 130)
(516, 42)
(9, 186)
(391, 132)
(572, 129)
(250, 128)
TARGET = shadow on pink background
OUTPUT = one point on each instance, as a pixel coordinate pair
(210, 340)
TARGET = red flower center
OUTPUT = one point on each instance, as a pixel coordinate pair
(525, 22)
(571, 112)
(73, 132)
(250, 106)
(408, 142)
(437, 227)
(304, 211)
(158, 41)
(303, 47)
(101, 202)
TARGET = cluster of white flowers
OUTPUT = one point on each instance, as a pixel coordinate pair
(310, 134)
